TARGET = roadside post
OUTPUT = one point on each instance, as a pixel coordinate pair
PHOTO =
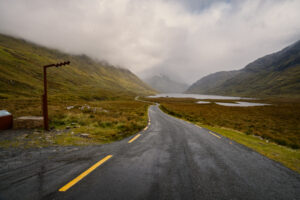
(44, 97)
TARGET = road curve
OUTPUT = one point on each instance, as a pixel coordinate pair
(172, 159)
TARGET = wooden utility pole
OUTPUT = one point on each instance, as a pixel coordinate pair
(44, 97)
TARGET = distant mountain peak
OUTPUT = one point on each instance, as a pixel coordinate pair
(276, 74)
(163, 83)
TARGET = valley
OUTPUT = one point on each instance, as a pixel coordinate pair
(150, 100)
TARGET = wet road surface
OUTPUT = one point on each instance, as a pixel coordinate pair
(171, 159)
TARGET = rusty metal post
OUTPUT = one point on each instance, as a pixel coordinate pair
(44, 97)
(45, 101)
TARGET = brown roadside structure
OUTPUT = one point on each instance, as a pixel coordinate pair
(44, 97)
(6, 120)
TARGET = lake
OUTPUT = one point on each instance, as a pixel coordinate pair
(197, 96)
(205, 96)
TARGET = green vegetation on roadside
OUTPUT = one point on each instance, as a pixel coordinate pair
(82, 123)
(287, 156)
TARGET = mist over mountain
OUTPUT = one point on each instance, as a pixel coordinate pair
(277, 74)
(187, 39)
(21, 74)
(164, 84)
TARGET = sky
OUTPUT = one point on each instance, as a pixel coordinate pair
(183, 39)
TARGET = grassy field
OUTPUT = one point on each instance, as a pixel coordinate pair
(279, 122)
(88, 122)
(260, 128)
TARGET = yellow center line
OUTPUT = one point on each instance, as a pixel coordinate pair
(146, 128)
(214, 134)
(84, 174)
(136, 137)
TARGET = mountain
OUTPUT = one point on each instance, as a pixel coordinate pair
(210, 82)
(277, 74)
(21, 74)
(164, 84)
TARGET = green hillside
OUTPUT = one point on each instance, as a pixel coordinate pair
(277, 74)
(21, 74)
(208, 83)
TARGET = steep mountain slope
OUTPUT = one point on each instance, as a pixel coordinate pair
(21, 74)
(164, 84)
(210, 82)
(277, 74)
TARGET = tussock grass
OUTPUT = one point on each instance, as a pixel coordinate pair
(279, 122)
(89, 122)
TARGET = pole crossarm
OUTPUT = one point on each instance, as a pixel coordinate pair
(58, 64)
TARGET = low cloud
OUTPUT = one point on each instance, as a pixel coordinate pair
(185, 39)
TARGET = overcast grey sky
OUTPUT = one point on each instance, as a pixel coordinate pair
(186, 39)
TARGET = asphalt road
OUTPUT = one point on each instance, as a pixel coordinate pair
(172, 159)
